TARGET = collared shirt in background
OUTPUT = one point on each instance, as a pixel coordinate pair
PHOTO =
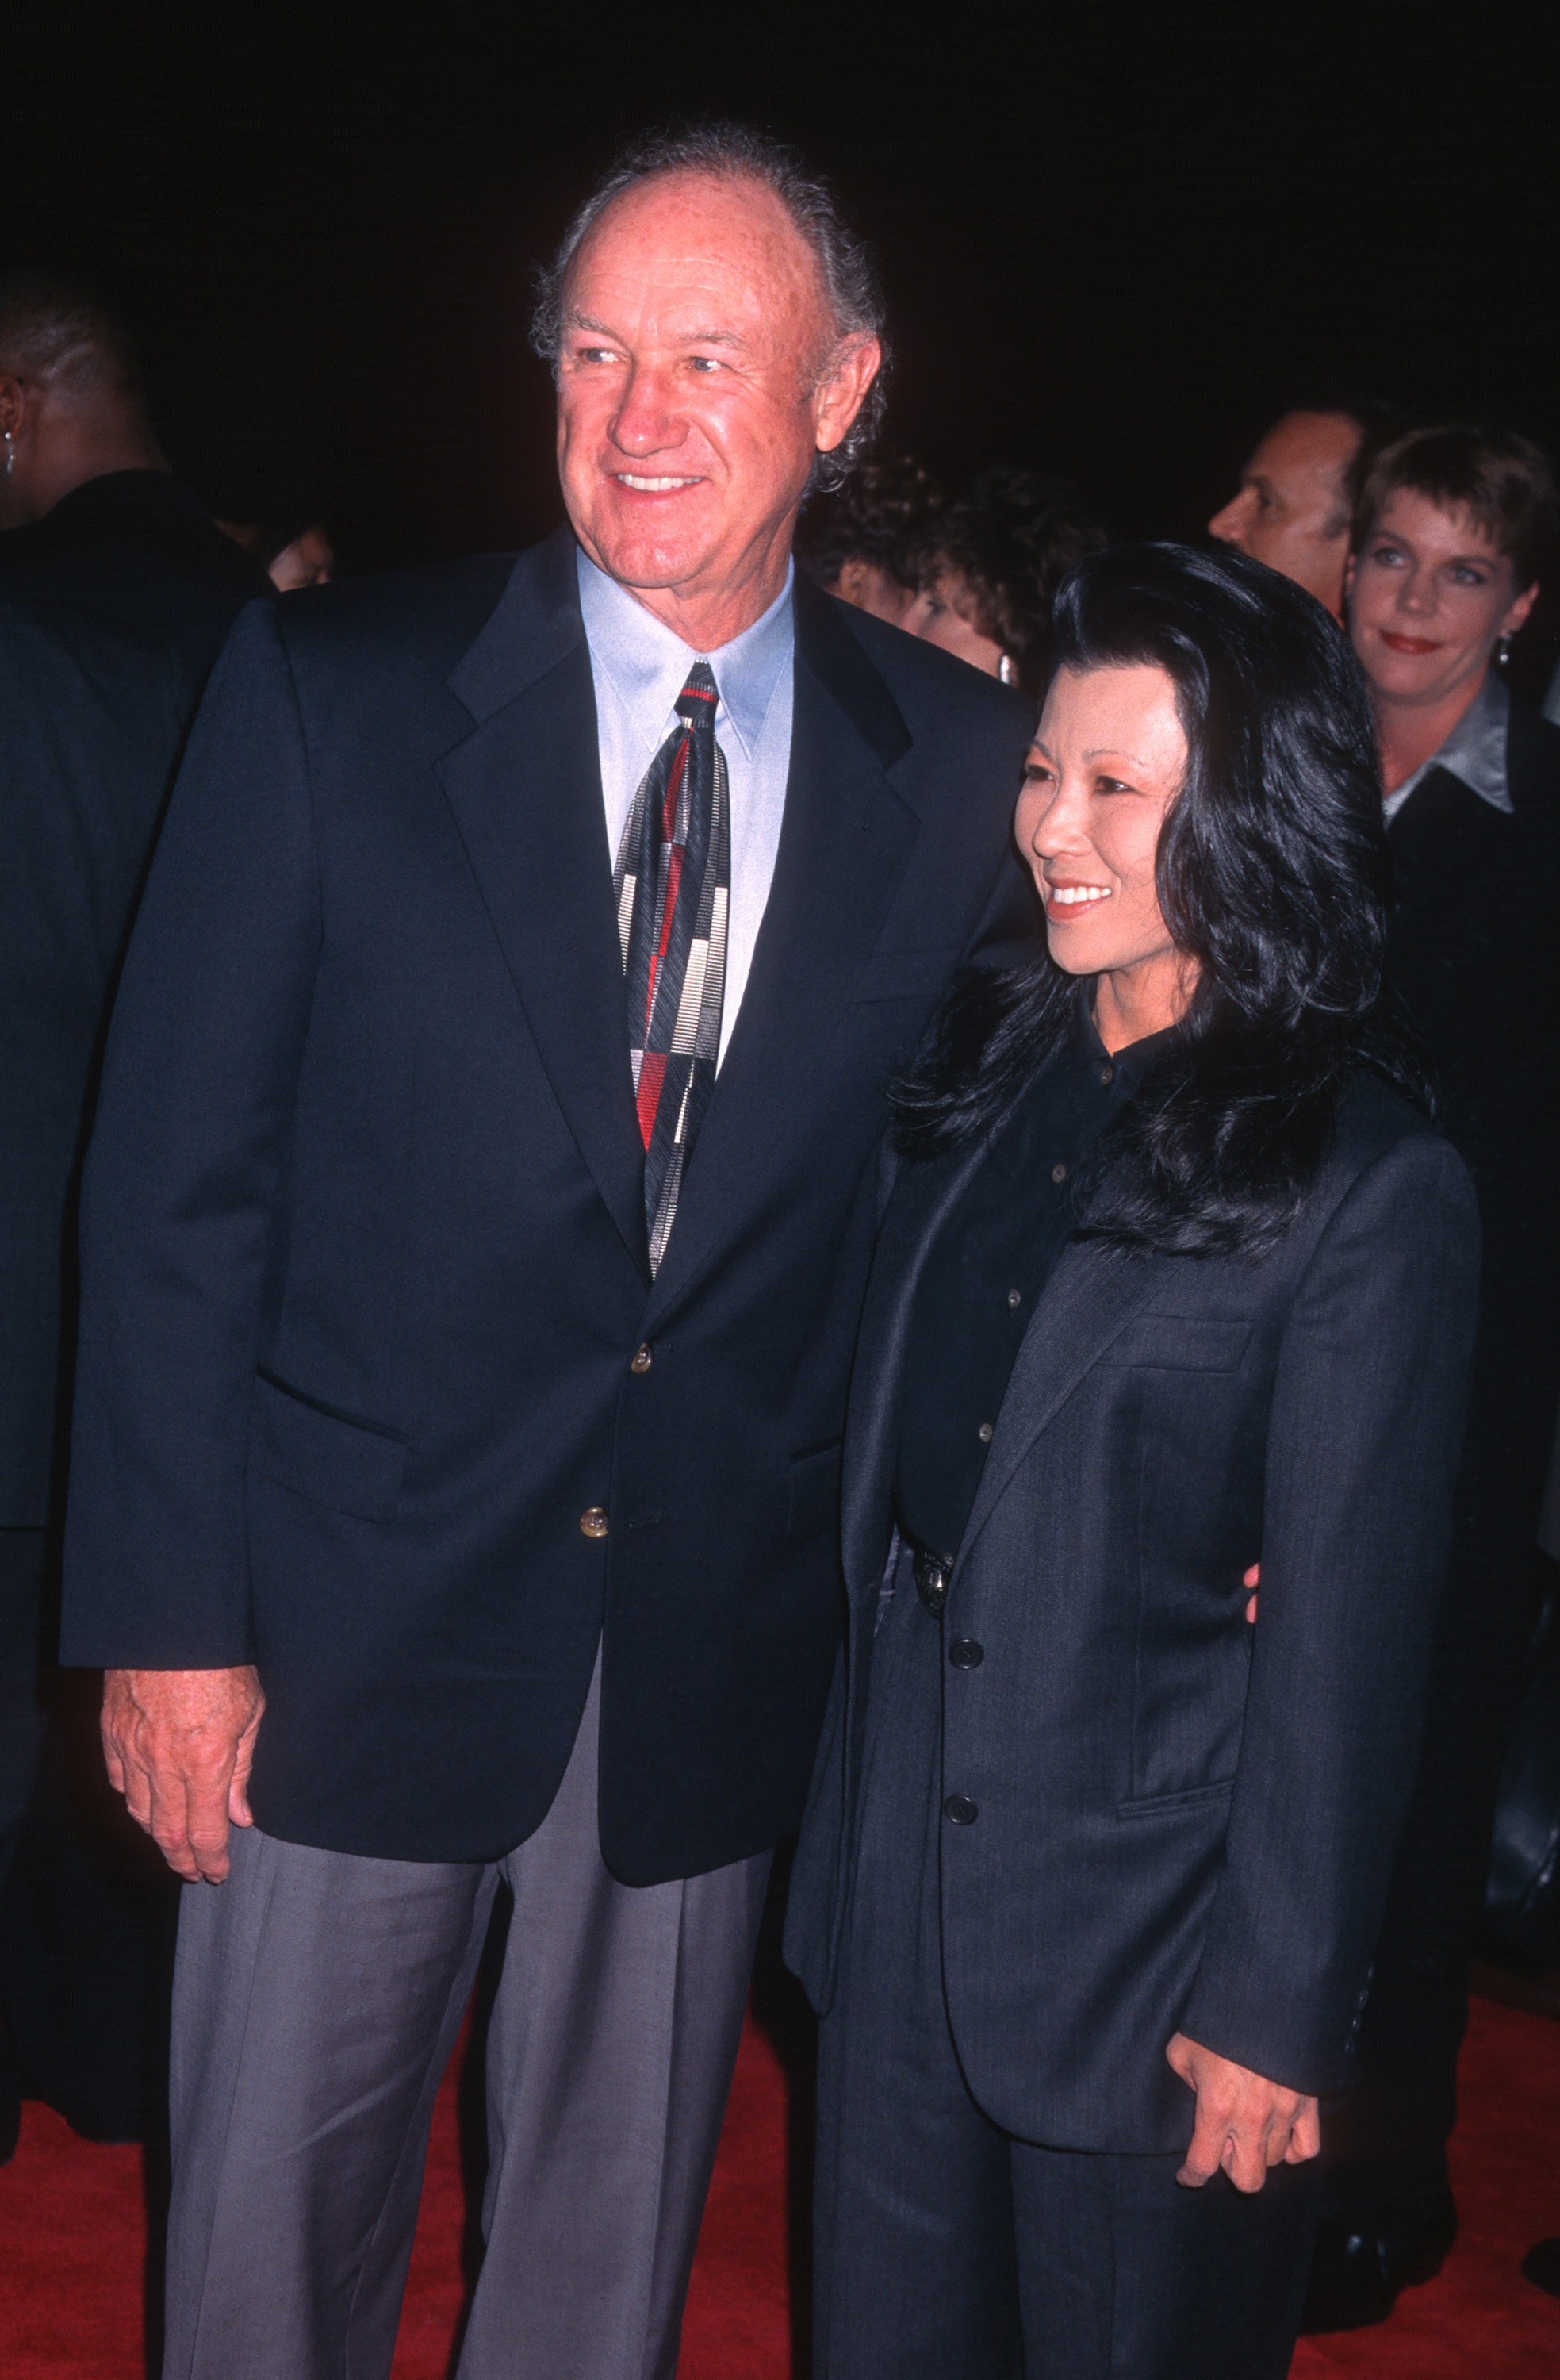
(639, 667)
(1474, 752)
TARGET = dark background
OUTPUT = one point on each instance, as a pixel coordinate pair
(1116, 240)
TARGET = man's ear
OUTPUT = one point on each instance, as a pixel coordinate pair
(841, 394)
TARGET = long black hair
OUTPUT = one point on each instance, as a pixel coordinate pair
(1272, 874)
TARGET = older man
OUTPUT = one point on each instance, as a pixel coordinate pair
(1295, 504)
(475, 1236)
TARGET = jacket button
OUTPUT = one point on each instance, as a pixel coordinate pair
(593, 1523)
(641, 1359)
(965, 1654)
(959, 1811)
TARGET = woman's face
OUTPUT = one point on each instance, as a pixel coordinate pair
(943, 614)
(1429, 596)
(1108, 759)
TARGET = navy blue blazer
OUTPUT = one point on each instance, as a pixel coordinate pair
(363, 1238)
(1184, 1822)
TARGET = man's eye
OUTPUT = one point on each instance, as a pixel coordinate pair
(593, 355)
(705, 363)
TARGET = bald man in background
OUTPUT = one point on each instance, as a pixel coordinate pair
(1295, 504)
(94, 515)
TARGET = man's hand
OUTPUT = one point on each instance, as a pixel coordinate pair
(179, 1744)
(1253, 1579)
(1244, 2124)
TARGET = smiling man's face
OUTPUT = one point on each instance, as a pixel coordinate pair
(698, 376)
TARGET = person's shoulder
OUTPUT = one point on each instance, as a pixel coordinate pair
(430, 615)
(1378, 1126)
(1534, 765)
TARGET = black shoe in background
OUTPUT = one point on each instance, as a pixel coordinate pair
(1356, 2274)
(1542, 2266)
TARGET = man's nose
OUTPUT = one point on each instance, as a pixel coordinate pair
(1228, 527)
(645, 420)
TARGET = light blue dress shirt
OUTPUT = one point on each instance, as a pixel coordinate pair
(640, 666)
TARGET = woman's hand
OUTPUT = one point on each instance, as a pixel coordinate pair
(1251, 1580)
(1244, 2123)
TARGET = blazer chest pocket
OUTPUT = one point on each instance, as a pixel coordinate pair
(1180, 1342)
(813, 1504)
(345, 1464)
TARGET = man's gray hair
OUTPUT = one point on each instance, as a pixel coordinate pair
(733, 152)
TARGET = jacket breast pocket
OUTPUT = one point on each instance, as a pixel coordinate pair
(1180, 1342)
(347, 1465)
(813, 1504)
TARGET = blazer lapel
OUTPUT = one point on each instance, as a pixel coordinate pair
(526, 789)
(920, 1206)
(1092, 1294)
(844, 842)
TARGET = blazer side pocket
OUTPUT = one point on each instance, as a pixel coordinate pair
(348, 1465)
(813, 1504)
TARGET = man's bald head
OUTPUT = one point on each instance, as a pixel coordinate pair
(70, 399)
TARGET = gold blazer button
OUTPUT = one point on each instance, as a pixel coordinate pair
(593, 1524)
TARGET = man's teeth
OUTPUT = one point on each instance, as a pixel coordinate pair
(652, 487)
(1067, 895)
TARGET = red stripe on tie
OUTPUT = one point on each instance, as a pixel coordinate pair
(673, 787)
(652, 1073)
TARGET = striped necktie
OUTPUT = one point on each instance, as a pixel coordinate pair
(673, 883)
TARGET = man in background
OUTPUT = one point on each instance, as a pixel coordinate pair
(117, 591)
(91, 719)
(94, 515)
(1295, 504)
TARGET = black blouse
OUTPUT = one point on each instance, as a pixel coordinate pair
(983, 1276)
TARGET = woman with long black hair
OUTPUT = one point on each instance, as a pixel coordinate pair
(1176, 1278)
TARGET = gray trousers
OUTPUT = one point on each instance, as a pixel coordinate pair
(317, 1999)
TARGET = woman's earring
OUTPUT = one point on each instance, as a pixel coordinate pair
(1008, 673)
(1503, 650)
(10, 454)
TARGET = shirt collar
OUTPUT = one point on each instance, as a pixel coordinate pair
(1474, 752)
(648, 663)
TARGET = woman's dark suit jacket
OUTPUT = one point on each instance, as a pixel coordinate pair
(1183, 1822)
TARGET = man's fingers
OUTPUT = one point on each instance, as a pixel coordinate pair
(1245, 2158)
(1206, 2152)
(238, 1809)
(1305, 2134)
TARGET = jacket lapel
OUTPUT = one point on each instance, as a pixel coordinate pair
(922, 1202)
(844, 842)
(1092, 1294)
(526, 789)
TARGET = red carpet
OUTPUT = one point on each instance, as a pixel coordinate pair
(72, 2227)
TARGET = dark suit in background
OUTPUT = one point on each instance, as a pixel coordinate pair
(137, 550)
(145, 586)
(1475, 952)
(377, 1390)
(1088, 1806)
(91, 719)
